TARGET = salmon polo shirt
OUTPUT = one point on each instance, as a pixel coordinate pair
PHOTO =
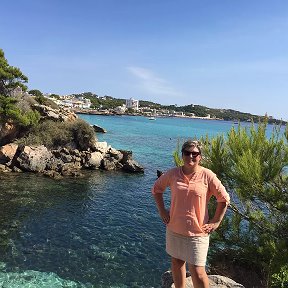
(189, 198)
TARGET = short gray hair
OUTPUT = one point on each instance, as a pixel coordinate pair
(191, 143)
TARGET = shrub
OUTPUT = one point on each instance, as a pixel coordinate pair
(47, 102)
(77, 134)
(10, 112)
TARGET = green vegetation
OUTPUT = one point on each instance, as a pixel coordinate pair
(35, 92)
(47, 102)
(9, 111)
(253, 168)
(108, 102)
(225, 114)
(77, 134)
(11, 78)
(16, 108)
(149, 104)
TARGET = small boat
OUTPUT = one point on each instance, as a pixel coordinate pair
(152, 118)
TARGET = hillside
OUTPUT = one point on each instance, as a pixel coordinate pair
(109, 102)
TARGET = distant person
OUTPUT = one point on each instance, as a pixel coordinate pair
(187, 222)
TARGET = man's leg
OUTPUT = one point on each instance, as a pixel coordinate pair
(178, 272)
(199, 276)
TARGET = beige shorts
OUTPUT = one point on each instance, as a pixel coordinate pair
(192, 249)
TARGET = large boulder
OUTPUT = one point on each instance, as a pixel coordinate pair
(102, 147)
(130, 165)
(55, 114)
(109, 164)
(117, 155)
(98, 129)
(8, 132)
(7, 153)
(94, 160)
(33, 159)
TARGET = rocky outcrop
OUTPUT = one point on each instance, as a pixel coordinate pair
(49, 113)
(8, 132)
(98, 129)
(7, 153)
(32, 159)
(65, 161)
(215, 281)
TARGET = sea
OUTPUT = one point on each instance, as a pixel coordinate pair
(99, 230)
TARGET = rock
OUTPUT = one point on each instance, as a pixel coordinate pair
(71, 169)
(8, 132)
(66, 158)
(94, 160)
(159, 173)
(98, 129)
(4, 168)
(54, 163)
(16, 169)
(55, 114)
(7, 153)
(220, 281)
(101, 147)
(132, 166)
(215, 281)
(127, 155)
(109, 164)
(33, 159)
(52, 174)
(117, 155)
(66, 162)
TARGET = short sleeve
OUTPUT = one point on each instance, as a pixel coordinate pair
(217, 189)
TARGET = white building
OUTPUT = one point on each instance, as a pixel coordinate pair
(132, 103)
(120, 109)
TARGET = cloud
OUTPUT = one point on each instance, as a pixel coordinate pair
(153, 84)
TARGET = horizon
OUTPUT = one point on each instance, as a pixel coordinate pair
(224, 55)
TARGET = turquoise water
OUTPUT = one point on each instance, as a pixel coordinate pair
(101, 230)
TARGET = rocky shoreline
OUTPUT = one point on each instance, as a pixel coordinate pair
(65, 161)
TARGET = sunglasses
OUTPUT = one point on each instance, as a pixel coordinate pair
(193, 153)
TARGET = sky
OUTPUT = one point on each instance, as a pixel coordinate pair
(218, 53)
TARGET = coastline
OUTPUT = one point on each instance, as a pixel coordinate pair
(105, 113)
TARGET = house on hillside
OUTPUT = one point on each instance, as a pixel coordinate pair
(132, 103)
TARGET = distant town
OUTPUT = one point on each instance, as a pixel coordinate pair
(80, 104)
(90, 103)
